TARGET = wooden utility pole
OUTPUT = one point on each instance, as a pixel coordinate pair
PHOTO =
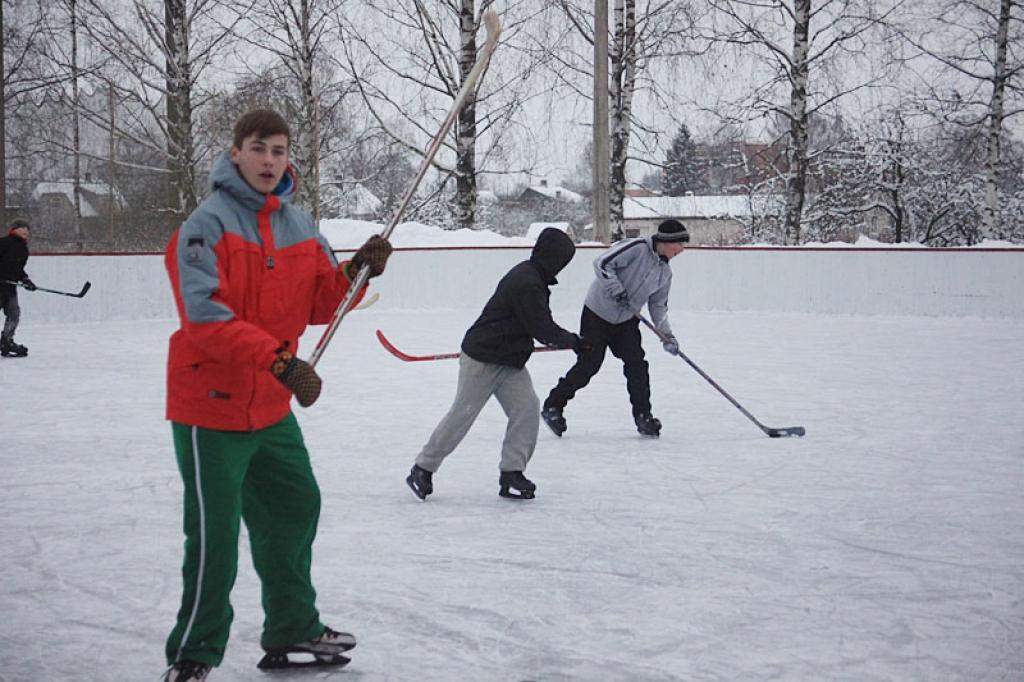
(111, 168)
(602, 156)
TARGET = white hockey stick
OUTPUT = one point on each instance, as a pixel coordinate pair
(493, 25)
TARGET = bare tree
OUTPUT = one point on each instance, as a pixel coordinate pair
(409, 60)
(302, 35)
(980, 50)
(159, 53)
(643, 33)
(25, 69)
(801, 48)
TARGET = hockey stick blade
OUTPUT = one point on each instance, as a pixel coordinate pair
(390, 347)
(368, 302)
(789, 431)
(411, 358)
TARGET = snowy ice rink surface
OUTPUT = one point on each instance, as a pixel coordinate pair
(886, 545)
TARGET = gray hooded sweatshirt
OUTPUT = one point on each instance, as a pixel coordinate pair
(633, 266)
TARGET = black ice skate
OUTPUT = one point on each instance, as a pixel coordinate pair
(10, 349)
(325, 650)
(515, 486)
(187, 671)
(647, 424)
(553, 417)
(421, 481)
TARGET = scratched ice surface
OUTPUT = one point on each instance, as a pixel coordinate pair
(888, 544)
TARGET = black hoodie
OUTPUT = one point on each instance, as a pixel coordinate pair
(518, 312)
(13, 256)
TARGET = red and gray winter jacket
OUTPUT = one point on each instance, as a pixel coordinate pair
(249, 273)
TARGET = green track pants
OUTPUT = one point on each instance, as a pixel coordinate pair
(265, 478)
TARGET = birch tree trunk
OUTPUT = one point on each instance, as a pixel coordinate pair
(796, 180)
(303, 58)
(180, 146)
(622, 54)
(990, 213)
(465, 124)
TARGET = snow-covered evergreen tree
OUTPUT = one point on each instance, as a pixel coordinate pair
(682, 168)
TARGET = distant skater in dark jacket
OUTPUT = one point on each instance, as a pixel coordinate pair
(493, 362)
(13, 256)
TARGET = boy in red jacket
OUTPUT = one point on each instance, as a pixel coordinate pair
(249, 272)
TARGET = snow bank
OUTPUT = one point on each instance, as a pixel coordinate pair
(350, 234)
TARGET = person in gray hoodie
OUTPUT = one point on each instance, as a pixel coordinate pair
(631, 273)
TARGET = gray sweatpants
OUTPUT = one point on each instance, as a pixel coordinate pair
(12, 311)
(478, 381)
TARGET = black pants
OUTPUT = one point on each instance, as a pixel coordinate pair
(623, 340)
(12, 312)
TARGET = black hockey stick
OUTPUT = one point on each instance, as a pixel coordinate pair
(769, 431)
(80, 294)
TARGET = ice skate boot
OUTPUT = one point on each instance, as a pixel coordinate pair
(553, 417)
(187, 671)
(10, 349)
(515, 486)
(325, 650)
(421, 481)
(647, 424)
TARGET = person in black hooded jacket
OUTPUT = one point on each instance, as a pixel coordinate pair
(493, 362)
(13, 256)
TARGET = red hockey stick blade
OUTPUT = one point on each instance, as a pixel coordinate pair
(412, 358)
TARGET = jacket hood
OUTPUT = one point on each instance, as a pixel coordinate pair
(225, 176)
(552, 252)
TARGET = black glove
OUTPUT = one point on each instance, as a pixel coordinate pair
(29, 284)
(582, 345)
(373, 254)
(298, 376)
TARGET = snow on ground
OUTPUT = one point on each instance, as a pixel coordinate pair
(886, 545)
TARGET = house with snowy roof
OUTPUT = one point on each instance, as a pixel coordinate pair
(94, 197)
(710, 219)
(545, 192)
(54, 208)
(356, 202)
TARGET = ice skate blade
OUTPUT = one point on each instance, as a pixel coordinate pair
(554, 429)
(556, 424)
(516, 494)
(411, 482)
(280, 661)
